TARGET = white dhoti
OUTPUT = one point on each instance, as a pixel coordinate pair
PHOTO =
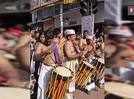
(43, 81)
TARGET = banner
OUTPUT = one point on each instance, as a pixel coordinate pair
(88, 25)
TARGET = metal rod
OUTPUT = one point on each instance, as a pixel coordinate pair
(61, 18)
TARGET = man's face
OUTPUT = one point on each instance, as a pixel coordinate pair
(42, 38)
(88, 41)
(73, 37)
(32, 33)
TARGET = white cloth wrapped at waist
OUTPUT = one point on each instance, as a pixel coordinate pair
(43, 81)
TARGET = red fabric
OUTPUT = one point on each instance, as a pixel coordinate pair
(131, 45)
(2, 79)
(15, 31)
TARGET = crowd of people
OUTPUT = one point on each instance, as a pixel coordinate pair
(52, 49)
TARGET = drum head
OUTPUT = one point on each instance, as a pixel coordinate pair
(120, 89)
(14, 93)
(62, 71)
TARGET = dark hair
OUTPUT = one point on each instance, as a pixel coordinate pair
(49, 34)
(56, 32)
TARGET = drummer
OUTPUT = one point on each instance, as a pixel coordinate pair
(89, 48)
(51, 57)
(88, 52)
(71, 56)
(44, 54)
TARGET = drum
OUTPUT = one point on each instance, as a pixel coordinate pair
(88, 71)
(14, 93)
(83, 74)
(59, 83)
(120, 89)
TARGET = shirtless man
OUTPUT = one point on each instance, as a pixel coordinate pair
(89, 49)
(71, 54)
(46, 52)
